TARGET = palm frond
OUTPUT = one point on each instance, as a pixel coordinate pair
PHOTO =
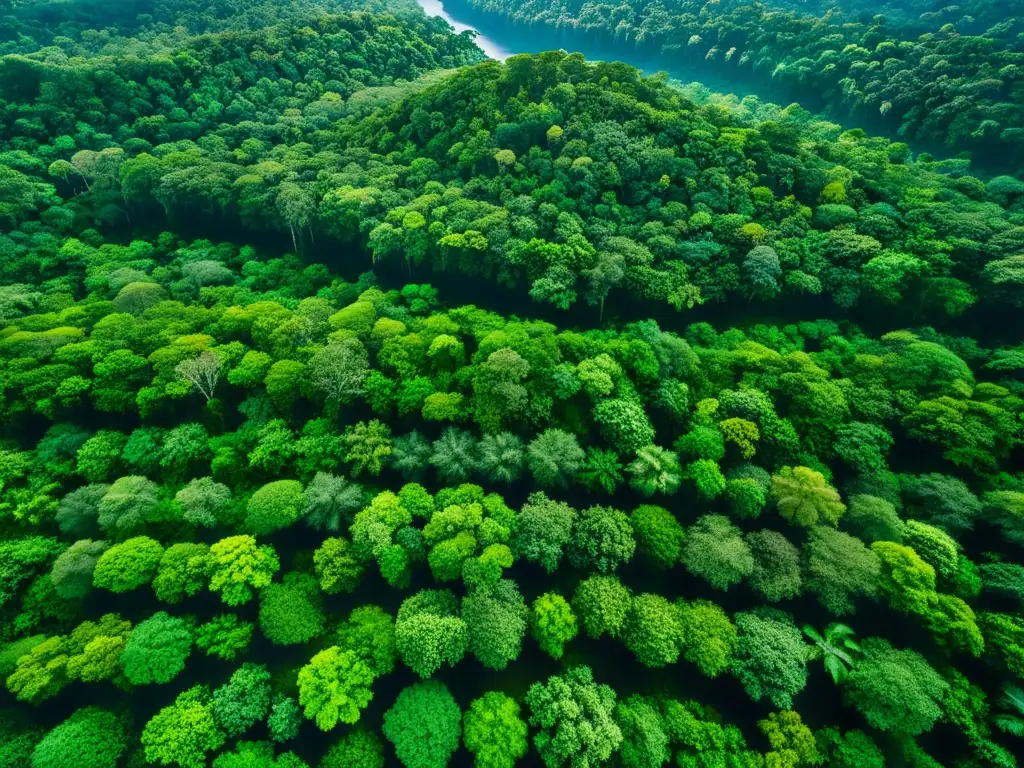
(1013, 698)
(1010, 724)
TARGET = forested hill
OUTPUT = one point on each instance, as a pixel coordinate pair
(951, 86)
(356, 411)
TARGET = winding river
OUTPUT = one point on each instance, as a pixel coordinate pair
(500, 38)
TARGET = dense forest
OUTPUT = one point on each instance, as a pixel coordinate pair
(946, 78)
(365, 402)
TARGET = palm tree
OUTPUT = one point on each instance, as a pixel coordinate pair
(835, 647)
(1011, 722)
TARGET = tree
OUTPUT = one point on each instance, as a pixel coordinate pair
(804, 497)
(853, 749)
(863, 446)
(658, 535)
(771, 658)
(224, 636)
(776, 573)
(652, 630)
(337, 567)
(337, 372)
(368, 445)
(424, 724)
(182, 572)
(329, 502)
(934, 546)
(601, 603)
(369, 632)
(274, 506)
(644, 741)
(940, 500)
(543, 528)
(602, 538)
(359, 748)
(761, 272)
(552, 623)
(708, 478)
(335, 687)
(573, 718)
(410, 455)
(204, 502)
(656, 470)
(127, 506)
(839, 568)
(157, 650)
(624, 424)
(494, 732)
(454, 455)
(836, 647)
(715, 550)
(73, 570)
(238, 567)
(79, 510)
(90, 738)
(895, 690)
(1011, 720)
(708, 636)
(430, 632)
(202, 372)
(792, 742)
(554, 458)
(495, 624)
(873, 519)
(243, 700)
(183, 733)
(291, 612)
(602, 470)
(128, 565)
(257, 754)
(501, 457)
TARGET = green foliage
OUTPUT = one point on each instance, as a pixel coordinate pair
(839, 568)
(554, 458)
(182, 572)
(495, 623)
(238, 567)
(430, 632)
(658, 534)
(792, 742)
(895, 690)
(334, 687)
(224, 636)
(708, 636)
(369, 632)
(776, 574)
(157, 650)
(183, 733)
(770, 660)
(805, 497)
(543, 529)
(74, 568)
(494, 732)
(653, 630)
(715, 550)
(91, 738)
(644, 741)
(243, 700)
(128, 565)
(359, 748)
(601, 603)
(552, 623)
(602, 539)
(424, 724)
(291, 611)
(274, 506)
(337, 567)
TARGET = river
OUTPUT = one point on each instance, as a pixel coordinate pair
(500, 38)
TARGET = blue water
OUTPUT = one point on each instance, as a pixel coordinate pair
(500, 38)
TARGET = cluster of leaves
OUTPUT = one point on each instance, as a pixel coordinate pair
(947, 77)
